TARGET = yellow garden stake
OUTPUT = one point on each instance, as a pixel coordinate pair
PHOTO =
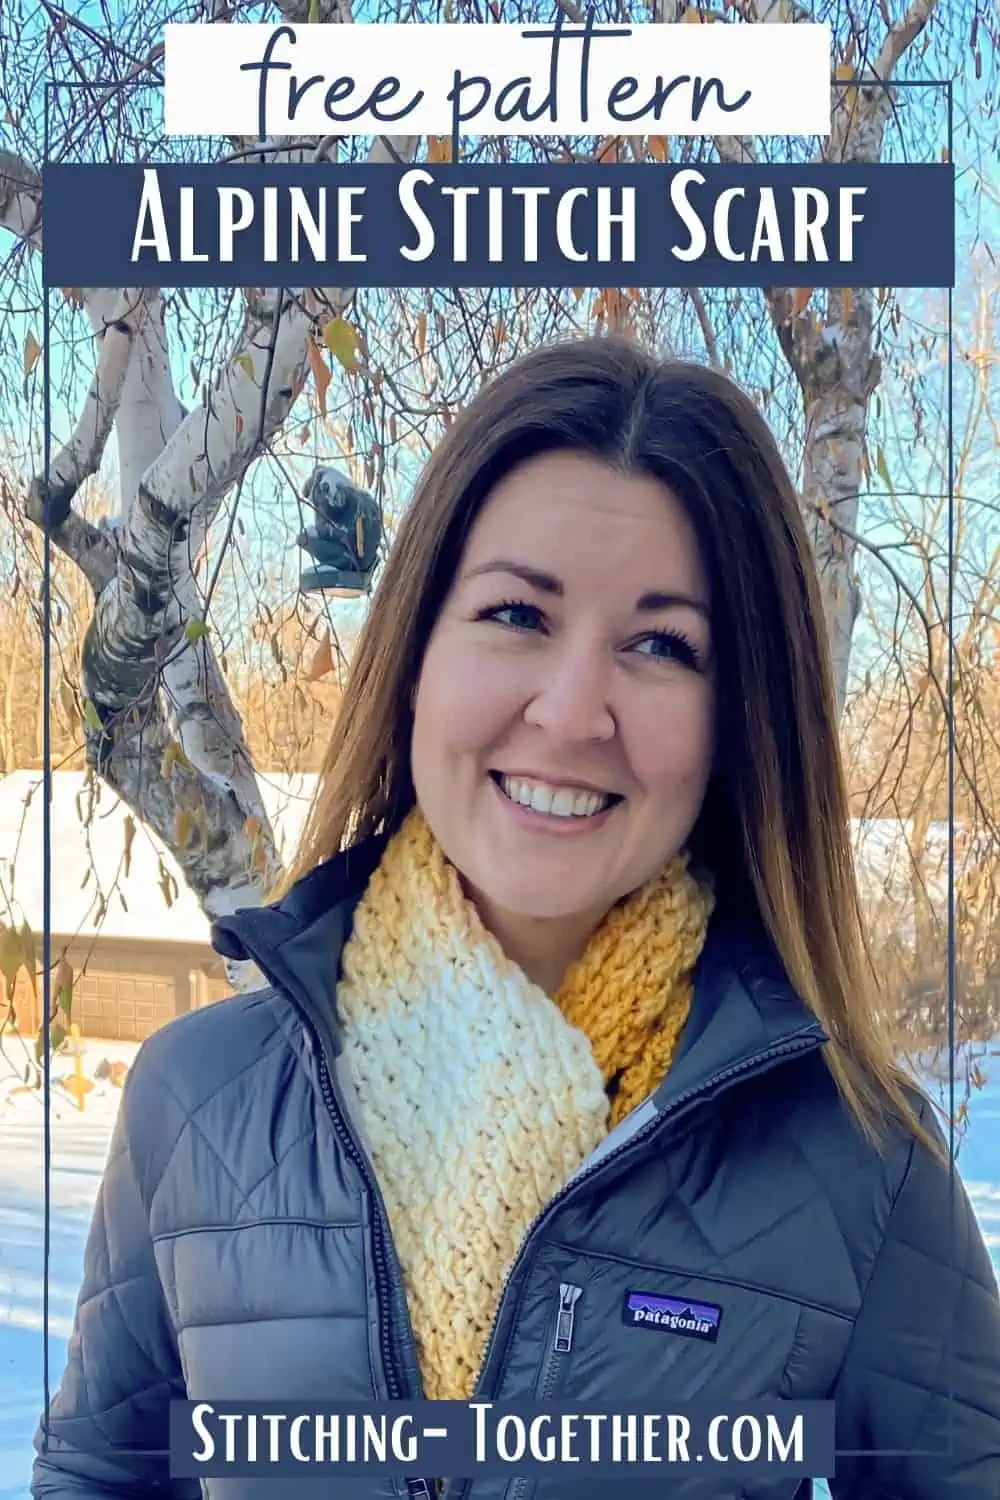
(77, 1084)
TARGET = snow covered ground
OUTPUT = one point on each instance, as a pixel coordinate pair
(79, 1146)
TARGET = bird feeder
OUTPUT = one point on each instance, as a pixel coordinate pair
(343, 539)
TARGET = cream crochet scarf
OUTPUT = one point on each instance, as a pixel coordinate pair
(481, 1095)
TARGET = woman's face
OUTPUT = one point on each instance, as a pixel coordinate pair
(563, 733)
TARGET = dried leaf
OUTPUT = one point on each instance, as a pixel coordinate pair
(11, 955)
(67, 701)
(848, 304)
(322, 661)
(245, 363)
(90, 713)
(29, 951)
(321, 374)
(845, 73)
(32, 350)
(341, 338)
(421, 338)
(439, 148)
(658, 147)
(883, 469)
(129, 841)
(800, 300)
(62, 985)
(183, 827)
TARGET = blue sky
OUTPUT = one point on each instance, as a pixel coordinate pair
(275, 518)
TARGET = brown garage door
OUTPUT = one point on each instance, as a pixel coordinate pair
(125, 991)
(123, 1007)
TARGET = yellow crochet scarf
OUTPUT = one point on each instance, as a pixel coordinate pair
(481, 1095)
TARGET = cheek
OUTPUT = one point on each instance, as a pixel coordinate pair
(672, 744)
(464, 702)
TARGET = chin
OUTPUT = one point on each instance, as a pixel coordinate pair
(542, 901)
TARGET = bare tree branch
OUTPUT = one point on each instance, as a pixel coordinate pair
(705, 324)
(901, 36)
(20, 199)
(82, 455)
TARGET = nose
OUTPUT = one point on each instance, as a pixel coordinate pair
(572, 700)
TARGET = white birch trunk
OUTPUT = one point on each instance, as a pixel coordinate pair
(832, 357)
(161, 726)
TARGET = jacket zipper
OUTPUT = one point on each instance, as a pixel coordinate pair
(802, 1043)
(417, 1489)
(562, 1343)
(569, 1296)
(424, 1489)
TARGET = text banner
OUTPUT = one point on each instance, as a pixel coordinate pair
(476, 225)
(485, 80)
(462, 1440)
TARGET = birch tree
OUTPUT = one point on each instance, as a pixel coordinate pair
(159, 719)
(160, 723)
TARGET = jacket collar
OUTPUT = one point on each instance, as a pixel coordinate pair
(743, 1011)
(297, 942)
(743, 1006)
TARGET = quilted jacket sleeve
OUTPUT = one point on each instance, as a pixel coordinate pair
(109, 1421)
(921, 1381)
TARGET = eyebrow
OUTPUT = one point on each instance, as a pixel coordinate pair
(548, 583)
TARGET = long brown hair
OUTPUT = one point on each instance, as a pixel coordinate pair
(775, 825)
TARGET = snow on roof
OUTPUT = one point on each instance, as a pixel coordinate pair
(88, 841)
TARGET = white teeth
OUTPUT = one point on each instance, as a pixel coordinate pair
(559, 802)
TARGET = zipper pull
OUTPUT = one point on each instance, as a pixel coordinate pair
(569, 1296)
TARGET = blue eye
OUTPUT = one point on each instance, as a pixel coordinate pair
(670, 645)
(521, 616)
(667, 645)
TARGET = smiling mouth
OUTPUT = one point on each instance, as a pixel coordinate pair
(555, 801)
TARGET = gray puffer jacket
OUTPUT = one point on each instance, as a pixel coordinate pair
(239, 1249)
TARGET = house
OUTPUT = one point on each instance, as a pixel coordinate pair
(138, 958)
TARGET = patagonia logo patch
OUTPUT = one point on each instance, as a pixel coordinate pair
(692, 1320)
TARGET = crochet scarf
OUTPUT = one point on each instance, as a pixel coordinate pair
(481, 1095)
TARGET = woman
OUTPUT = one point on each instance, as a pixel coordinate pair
(569, 1081)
